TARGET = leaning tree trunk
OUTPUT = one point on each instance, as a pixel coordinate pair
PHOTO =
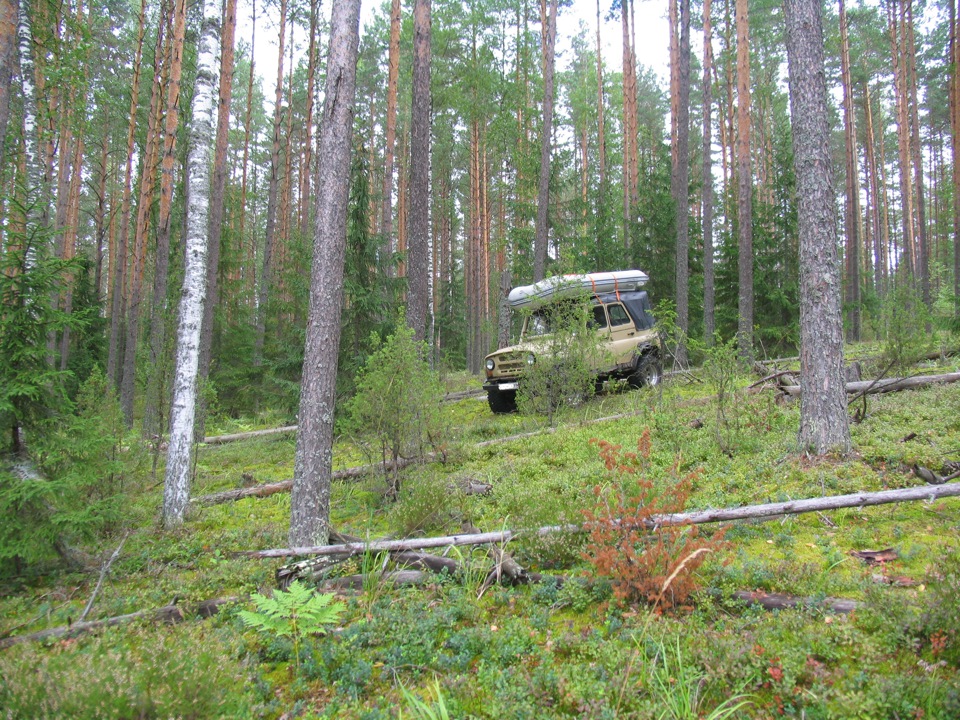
(310, 499)
(176, 490)
(824, 426)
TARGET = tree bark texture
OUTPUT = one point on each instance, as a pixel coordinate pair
(310, 501)
(393, 76)
(269, 241)
(824, 425)
(851, 220)
(542, 229)
(926, 493)
(871, 387)
(418, 240)
(680, 176)
(176, 490)
(709, 322)
(158, 308)
(217, 195)
(9, 9)
(955, 147)
(744, 185)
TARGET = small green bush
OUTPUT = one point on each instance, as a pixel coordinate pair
(397, 405)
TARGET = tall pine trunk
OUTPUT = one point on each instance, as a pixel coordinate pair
(269, 240)
(680, 177)
(418, 255)
(707, 177)
(824, 426)
(744, 186)
(852, 198)
(310, 498)
(152, 424)
(541, 232)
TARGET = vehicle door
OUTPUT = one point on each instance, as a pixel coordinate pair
(623, 335)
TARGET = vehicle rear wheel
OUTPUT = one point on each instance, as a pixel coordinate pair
(648, 372)
(502, 401)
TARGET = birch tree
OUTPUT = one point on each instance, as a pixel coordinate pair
(176, 489)
(824, 426)
(310, 497)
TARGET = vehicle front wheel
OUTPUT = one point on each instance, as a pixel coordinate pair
(502, 401)
(648, 372)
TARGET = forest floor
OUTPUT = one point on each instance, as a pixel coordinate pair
(565, 648)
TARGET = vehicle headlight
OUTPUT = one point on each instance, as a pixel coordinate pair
(490, 364)
(531, 359)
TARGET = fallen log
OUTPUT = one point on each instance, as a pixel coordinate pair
(233, 437)
(267, 489)
(251, 434)
(888, 385)
(395, 577)
(782, 601)
(171, 613)
(698, 517)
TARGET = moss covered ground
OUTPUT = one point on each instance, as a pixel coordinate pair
(542, 650)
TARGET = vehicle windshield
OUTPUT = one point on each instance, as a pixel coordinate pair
(541, 321)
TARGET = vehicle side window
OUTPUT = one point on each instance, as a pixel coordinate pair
(599, 320)
(618, 315)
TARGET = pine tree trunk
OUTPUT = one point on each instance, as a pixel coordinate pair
(176, 490)
(118, 268)
(955, 147)
(903, 139)
(418, 252)
(681, 175)
(601, 130)
(923, 250)
(310, 498)
(9, 10)
(707, 193)
(824, 425)
(542, 228)
(852, 204)
(744, 185)
(306, 170)
(144, 206)
(152, 424)
(269, 240)
(874, 191)
(248, 249)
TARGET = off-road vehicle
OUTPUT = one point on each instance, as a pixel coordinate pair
(621, 316)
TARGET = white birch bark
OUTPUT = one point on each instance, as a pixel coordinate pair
(31, 140)
(310, 497)
(176, 489)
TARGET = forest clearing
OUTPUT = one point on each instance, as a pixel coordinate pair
(271, 445)
(873, 635)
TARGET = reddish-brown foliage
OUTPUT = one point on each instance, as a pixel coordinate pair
(646, 562)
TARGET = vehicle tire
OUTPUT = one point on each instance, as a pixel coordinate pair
(648, 372)
(502, 401)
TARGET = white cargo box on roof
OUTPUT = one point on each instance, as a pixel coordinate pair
(593, 283)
